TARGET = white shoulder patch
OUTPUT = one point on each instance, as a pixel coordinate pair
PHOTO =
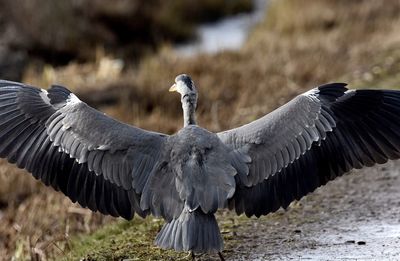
(73, 99)
(350, 91)
(45, 98)
(311, 92)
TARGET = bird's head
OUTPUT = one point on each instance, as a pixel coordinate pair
(184, 85)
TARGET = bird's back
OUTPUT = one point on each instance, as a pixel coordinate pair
(202, 167)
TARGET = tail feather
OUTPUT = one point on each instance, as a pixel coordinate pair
(192, 231)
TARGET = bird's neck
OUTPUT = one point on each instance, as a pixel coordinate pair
(189, 104)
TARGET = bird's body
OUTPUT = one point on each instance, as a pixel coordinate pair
(196, 177)
(120, 170)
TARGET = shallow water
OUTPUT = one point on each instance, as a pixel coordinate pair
(227, 34)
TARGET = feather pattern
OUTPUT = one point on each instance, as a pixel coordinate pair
(279, 138)
(196, 171)
(76, 149)
(350, 129)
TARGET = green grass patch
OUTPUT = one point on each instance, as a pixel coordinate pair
(132, 240)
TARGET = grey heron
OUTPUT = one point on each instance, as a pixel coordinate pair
(255, 169)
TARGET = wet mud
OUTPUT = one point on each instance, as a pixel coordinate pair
(355, 217)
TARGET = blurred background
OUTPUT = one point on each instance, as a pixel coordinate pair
(246, 57)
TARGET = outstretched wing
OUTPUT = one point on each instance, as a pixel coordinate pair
(314, 138)
(95, 160)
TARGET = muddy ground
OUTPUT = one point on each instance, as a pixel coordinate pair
(355, 217)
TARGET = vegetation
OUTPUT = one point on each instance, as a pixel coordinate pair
(122, 240)
(301, 43)
(60, 31)
(133, 240)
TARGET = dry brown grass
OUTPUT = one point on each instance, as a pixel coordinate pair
(36, 221)
(301, 44)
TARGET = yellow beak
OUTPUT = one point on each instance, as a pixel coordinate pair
(173, 88)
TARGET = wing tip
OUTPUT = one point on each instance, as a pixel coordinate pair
(332, 86)
(332, 91)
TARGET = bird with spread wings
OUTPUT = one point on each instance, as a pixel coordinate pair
(119, 170)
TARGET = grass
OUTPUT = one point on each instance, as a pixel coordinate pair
(301, 44)
(121, 240)
(133, 240)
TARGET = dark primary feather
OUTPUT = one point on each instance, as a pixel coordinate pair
(99, 162)
(362, 128)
